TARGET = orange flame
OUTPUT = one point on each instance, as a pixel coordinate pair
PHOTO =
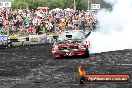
(82, 72)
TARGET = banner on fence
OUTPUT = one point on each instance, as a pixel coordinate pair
(37, 39)
(5, 4)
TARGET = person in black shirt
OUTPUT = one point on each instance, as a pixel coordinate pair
(1, 25)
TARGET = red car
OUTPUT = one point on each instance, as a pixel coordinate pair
(71, 43)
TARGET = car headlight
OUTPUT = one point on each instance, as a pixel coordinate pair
(4, 43)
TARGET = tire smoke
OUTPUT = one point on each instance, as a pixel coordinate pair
(115, 32)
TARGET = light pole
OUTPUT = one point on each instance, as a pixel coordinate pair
(74, 4)
(88, 5)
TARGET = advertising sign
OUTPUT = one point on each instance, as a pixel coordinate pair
(37, 39)
(33, 39)
(3, 39)
(5, 4)
(42, 39)
(95, 6)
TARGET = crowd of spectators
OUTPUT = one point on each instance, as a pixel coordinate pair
(34, 21)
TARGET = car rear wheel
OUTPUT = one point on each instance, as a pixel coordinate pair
(86, 54)
(9, 45)
(82, 80)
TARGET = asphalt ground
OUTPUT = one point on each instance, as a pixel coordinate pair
(35, 67)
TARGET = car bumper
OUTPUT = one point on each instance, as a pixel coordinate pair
(77, 53)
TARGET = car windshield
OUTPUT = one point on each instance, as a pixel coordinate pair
(73, 35)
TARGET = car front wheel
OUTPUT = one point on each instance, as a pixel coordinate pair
(57, 56)
(9, 45)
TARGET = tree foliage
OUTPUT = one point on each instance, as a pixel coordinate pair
(80, 4)
(56, 4)
(17, 5)
(69, 4)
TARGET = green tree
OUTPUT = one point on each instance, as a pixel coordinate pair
(102, 3)
(56, 4)
(69, 4)
(19, 4)
(33, 4)
(80, 4)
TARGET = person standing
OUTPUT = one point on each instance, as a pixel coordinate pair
(27, 21)
(5, 23)
(16, 24)
(1, 23)
(63, 26)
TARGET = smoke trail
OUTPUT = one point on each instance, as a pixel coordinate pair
(115, 31)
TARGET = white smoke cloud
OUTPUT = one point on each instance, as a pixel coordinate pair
(115, 31)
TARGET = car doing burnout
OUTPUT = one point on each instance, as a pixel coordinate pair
(71, 43)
